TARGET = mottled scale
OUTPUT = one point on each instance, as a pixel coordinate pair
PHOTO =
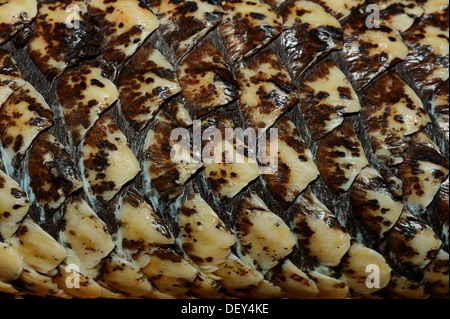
(14, 15)
(10, 77)
(294, 281)
(204, 236)
(354, 267)
(329, 287)
(40, 285)
(401, 287)
(309, 34)
(412, 243)
(139, 226)
(238, 278)
(428, 60)
(170, 273)
(391, 111)
(88, 288)
(340, 157)
(85, 236)
(52, 172)
(373, 204)
(38, 249)
(436, 274)
(22, 117)
(14, 205)
(435, 11)
(263, 236)
(439, 107)
(57, 35)
(340, 9)
(84, 93)
(401, 14)
(248, 26)
(325, 97)
(207, 82)
(124, 25)
(123, 274)
(184, 23)
(229, 163)
(107, 161)
(294, 168)
(318, 231)
(267, 91)
(163, 170)
(146, 82)
(422, 172)
(369, 51)
(206, 287)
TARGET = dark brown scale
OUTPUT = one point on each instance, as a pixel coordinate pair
(242, 36)
(362, 207)
(276, 182)
(360, 64)
(62, 43)
(210, 96)
(422, 61)
(389, 89)
(70, 96)
(331, 172)
(317, 114)
(60, 172)
(177, 26)
(165, 184)
(9, 30)
(304, 46)
(267, 102)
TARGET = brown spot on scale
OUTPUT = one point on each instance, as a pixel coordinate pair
(144, 84)
(333, 167)
(367, 52)
(206, 81)
(52, 42)
(428, 58)
(17, 133)
(310, 33)
(184, 23)
(117, 44)
(106, 150)
(53, 174)
(325, 96)
(82, 97)
(244, 35)
(422, 171)
(267, 91)
(17, 14)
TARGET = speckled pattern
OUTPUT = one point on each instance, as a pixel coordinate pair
(95, 98)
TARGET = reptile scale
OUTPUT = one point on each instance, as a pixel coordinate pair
(92, 91)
